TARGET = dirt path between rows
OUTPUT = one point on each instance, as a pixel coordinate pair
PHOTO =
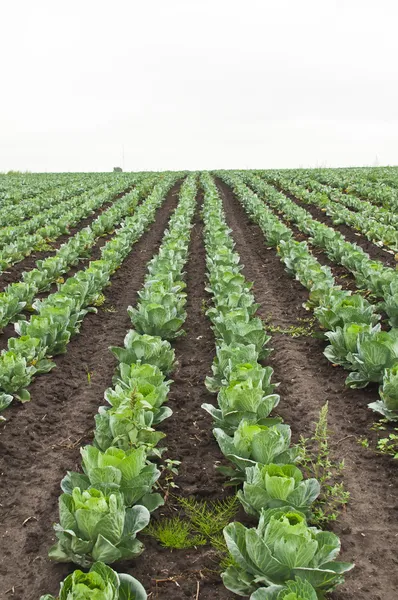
(369, 527)
(189, 440)
(41, 439)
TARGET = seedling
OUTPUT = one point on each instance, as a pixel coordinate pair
(169, 469)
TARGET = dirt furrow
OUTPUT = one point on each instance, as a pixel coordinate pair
(189, 440)
(368, 528)
(41, 439)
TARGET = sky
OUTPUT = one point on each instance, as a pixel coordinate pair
(178, 84)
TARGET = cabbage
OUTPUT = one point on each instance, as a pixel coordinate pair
(100, 583)
(146, 349)
(281, 548)
(273, 486)
(253, 444)
(388, 405)
(94, 527)
(117, 470)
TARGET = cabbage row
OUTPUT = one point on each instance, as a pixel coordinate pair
(356, 340)
(325, 193)
(366, 221)
(21, 294)
(377, 185)
(283, 558)
(59, 316)
(103, 508)
(22, 197)
(49, 222)
(370, 275)
(49, 229)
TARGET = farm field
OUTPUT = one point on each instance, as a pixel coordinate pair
(199, 385)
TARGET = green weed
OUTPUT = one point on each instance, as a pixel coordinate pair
(317, 462)
(175, 533)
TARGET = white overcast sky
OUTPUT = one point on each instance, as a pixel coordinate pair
(182, 84)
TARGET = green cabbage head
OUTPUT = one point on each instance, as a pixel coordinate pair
(94, 527)
(251, 444)
(117, 470)
(274, 486)
(281, 548)
(100, 583)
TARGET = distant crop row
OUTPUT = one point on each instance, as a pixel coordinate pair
(351, 322)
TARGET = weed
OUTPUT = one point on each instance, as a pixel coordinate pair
(175, 533)
(364, 442)
(389, 444)
(209, 518)
(379, 425)
(109, 309)
(100, 300)
(168, 470)
(89, 374)
(306, 329)
(317, 462)
(204, 306)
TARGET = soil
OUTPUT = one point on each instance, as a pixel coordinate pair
(368, 528)
(41, 439)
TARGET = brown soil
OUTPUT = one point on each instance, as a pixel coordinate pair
(368, 528)
(29, 262)
(40, 440)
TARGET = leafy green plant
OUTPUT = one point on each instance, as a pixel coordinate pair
(253, 444)
(244, 399)
(95, 527)
(298, 589)
(388, 404)
(100, 583)
(279, 549)
(226, 359)
(117, 470)
(147, 349)
(275, 486)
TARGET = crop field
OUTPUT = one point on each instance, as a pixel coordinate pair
(199, 385)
